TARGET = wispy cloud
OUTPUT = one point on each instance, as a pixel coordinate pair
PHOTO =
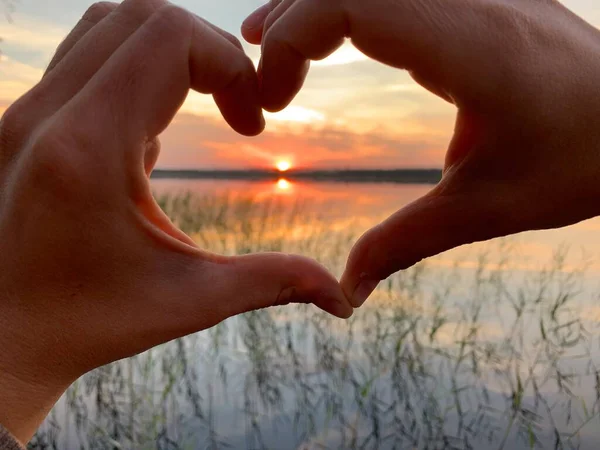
(194, 141)
(352, 112)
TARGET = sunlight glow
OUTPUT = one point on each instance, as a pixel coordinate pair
(297, 114)
(283, 185)
(346, 54)
(283, 166)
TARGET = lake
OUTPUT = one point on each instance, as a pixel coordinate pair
(492, 345)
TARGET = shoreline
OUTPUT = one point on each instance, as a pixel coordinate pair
(400, 176)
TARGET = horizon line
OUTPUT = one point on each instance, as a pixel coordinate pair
(406, 176)
(304, 169)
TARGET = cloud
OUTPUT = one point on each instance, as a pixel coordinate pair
(297, 114)
(16, 78)
(31, 41)
(352, 112)
(204, 142)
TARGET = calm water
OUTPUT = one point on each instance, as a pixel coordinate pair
(493, 345)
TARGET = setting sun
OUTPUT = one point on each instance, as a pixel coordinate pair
(283, 166)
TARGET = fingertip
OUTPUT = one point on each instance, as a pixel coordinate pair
(319, 287)
(253, 26)
(363, 269)
(275, 279)
(252, 35)
(280, 82)
(252, 127)
(335, 304)
(260, 126)
(248, 122)
(358, 289)
(241, 107)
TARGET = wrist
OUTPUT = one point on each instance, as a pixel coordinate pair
(30, 383)
(24, 406)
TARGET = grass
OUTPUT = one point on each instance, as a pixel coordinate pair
(441, 357)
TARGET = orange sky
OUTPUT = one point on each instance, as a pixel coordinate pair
(353, 113)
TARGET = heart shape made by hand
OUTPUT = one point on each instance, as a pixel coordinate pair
(92, 270)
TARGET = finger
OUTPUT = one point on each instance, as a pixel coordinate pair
(203, 292)
(287, 47)
(190, 291)
(139, 90)
(417, 36)
(252, 27)
(96, 13)
(92, 16)
(257, 23)
(266, 280)
(94, 48)
(230, 37)
(89, 47)
(441, 220)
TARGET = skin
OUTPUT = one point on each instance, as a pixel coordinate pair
(523, 75)
(91, 270)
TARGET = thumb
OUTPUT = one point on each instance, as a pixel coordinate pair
(204, 289)
(439, 221)
(259, 281)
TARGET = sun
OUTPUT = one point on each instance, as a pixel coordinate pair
(283, 166)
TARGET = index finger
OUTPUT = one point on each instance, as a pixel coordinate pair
(143, 84)
(294, 32)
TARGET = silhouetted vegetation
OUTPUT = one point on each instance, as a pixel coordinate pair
(440, 358)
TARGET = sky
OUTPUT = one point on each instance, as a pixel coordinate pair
(352, 112)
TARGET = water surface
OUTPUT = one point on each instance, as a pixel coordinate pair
(492, 345)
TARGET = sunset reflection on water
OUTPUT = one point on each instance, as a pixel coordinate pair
(363, 205)
(284, 186)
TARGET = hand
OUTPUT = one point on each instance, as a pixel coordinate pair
(91, 270)
(524, 75)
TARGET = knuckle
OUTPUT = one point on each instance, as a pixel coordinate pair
(269, 22)
(242, 71)
(230, 37)
(98, 11)
(173, 17)
(55, 166)
(273, 4)
(235, 41)
(13, 126)
(244, 65)
(275, 33)
(273, 16)
(133, 13)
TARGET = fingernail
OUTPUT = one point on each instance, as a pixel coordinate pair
(257, 18)
(362, 292)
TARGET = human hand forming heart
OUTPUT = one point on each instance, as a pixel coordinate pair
(524, 75)
(91, 270)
